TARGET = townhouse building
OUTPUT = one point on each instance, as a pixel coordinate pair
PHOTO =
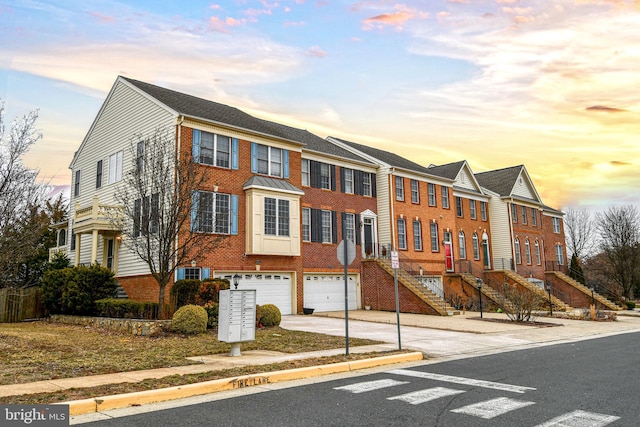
(284, 199)
(526, 233)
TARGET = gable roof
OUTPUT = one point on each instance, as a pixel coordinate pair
(500, 181)
(449, 171)
(386, 157)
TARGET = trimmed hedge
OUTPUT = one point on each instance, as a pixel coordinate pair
(270, 315)
(190, 319)
(126, 309)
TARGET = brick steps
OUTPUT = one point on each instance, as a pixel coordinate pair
(579, 286)
(558, 304)
(410, 282)
(496, 297)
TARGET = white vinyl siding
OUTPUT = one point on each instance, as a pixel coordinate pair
(125, 113)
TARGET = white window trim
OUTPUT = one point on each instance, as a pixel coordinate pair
(115, 167)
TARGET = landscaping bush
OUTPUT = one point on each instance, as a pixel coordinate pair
(53, 285)
(270, 315)
(210, 290)
(212, 314)
(630, 305)
(185, 292)
(126, 309)
(88, 285)
(74, 290)
(190, 319)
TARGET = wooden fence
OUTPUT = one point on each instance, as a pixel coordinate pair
(17, 304)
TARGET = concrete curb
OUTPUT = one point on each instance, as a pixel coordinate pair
(104, 403)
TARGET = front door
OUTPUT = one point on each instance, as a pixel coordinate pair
(485, 251)
(448, 251)
(368, 237)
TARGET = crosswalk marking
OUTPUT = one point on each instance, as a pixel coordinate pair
(370, 385)
(580, 419)
(422, 396)
(492, 408)
(461, 380)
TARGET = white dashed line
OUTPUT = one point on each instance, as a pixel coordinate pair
(492, 408)
(370, 385)
(460, 380)
(580, 419)
(422, 396)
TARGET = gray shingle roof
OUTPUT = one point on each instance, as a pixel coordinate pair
(500, 181)
(387, 157)
(209, 110)
(449, 170)
(275, 184)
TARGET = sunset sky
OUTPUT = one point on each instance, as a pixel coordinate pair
(551, 84)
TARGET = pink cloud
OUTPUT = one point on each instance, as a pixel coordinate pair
(316, 52)
(216, 24)
(393, 19)
(105, 19)
(215, 7)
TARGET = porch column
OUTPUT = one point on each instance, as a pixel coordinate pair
(94, 246)
(77, 257)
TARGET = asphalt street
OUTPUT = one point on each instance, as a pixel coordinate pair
(585, 383)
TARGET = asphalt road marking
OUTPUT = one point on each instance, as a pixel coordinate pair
(580, 419)
(492, 408)
(422, 396)
(370, 385)
(461, 380)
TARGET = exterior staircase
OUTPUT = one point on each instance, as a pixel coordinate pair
(579, 286)
(558, 304)
(490, 293)
(421, 291)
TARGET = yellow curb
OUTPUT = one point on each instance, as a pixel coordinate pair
(99, 404)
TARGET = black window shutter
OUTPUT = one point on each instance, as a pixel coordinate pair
(333, 177)
(357, 182)
(373, 185)
(342, 179)
(357, 229)
(334, 223)
(314, 172)
(316, 226)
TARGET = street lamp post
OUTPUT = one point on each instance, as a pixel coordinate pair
(479, 284)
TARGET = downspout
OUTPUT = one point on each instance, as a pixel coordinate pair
(513, 250)
(178, 145)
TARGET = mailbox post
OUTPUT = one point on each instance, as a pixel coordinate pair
(237, 317)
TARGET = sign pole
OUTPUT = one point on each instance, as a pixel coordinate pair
(395, 263)
(346, 288)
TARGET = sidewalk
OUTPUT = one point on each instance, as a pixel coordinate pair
(435, 336)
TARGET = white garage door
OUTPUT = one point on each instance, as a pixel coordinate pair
(325, 292)
(270, 288)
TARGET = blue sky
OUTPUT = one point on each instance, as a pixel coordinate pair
(551, 84)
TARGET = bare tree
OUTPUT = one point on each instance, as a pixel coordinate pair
(21, 195)
(580, 232)
(619, 230)
(156, 200)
